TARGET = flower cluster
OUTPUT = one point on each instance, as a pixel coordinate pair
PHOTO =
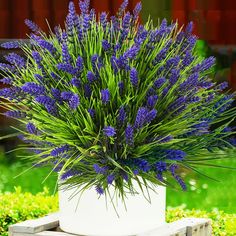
(105, 99)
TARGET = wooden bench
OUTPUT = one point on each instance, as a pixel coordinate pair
(49, 226)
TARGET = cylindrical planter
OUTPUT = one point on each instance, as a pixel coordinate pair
(95, 216)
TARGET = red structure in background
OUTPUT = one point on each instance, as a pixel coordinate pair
(14, 12)
(215, 22)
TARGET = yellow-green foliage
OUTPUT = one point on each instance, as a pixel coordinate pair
(223, 224)
(19, 206)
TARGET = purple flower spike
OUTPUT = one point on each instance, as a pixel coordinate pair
(59, 150)
(134, 77)
(137, 10)
(31, 128)
(110, 178)
(177, 155)
(15, 59)
(151, 115)
(91, 77)
(76, 82)
(84, 6)
(100, 170)
(159, 82)
(15, 114)
(80, 63)
(33, 89)
(99, 190)
(74, 102)
(67, 68)
(103, 20)
(106, 45)
(66, 96)
(91, 112)
(129, 135)
(10, 45)
(6, 80)
(109, 131)
(152, 100)
(105, 96)
(32, 26)
(126, 20)
(189, 28)
(121, 115)
(222, 86)
(141, 117)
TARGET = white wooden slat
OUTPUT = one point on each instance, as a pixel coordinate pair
(37, 225)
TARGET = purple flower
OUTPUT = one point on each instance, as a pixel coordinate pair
(173, 62)
(33, 89)
(222, 86)
(76, 82)
(56, 93)
(10, 45)
(45, 100)
(6, 80)
(151, 101)
(59, 150)
(7, 67)
(180, 182)
(91, 112)
(123, 7)
(15, 114)
(159, 82)
(84, 6)
(126, 20)
(87, 91)
(15, 59)
(37, 57)
(109, 131)
(142, 164)
(32, 26)
(103, 20)
(122, 115)
(80, 64)
(69, 173)
(100, 170)
(174, 76)
(132, 52)
(161, 166)
(204, 65)
(137, 10)
(13, 93)
(86, 23)
(178, 103)
(134, 77)
(160, 56)
(121, 87)
(110, 178)
(31, 128)
(129, 135)
(91, 77)
(106, 45)
(189, 28)
(47, 45)
(66, 96)
(151, 115)
(66, 58)
(67, 68)
(74, 101)
(140, 117)
(99, 190)
(176, 155)
(188, 59)
(105, 96)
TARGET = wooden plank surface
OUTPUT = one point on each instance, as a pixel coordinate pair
(36, 226)
(48, 226)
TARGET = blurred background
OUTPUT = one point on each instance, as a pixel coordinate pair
(215, 26)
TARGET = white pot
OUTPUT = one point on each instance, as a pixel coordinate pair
(92, 215)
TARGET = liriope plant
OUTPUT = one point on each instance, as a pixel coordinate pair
(106, 101)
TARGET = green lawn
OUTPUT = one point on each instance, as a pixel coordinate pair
(205, 194)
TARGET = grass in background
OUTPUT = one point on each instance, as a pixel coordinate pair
(204, 194)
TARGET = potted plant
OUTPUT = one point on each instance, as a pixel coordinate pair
(119, 110)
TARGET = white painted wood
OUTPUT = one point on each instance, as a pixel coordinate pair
(37, 225)
(184, 227)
